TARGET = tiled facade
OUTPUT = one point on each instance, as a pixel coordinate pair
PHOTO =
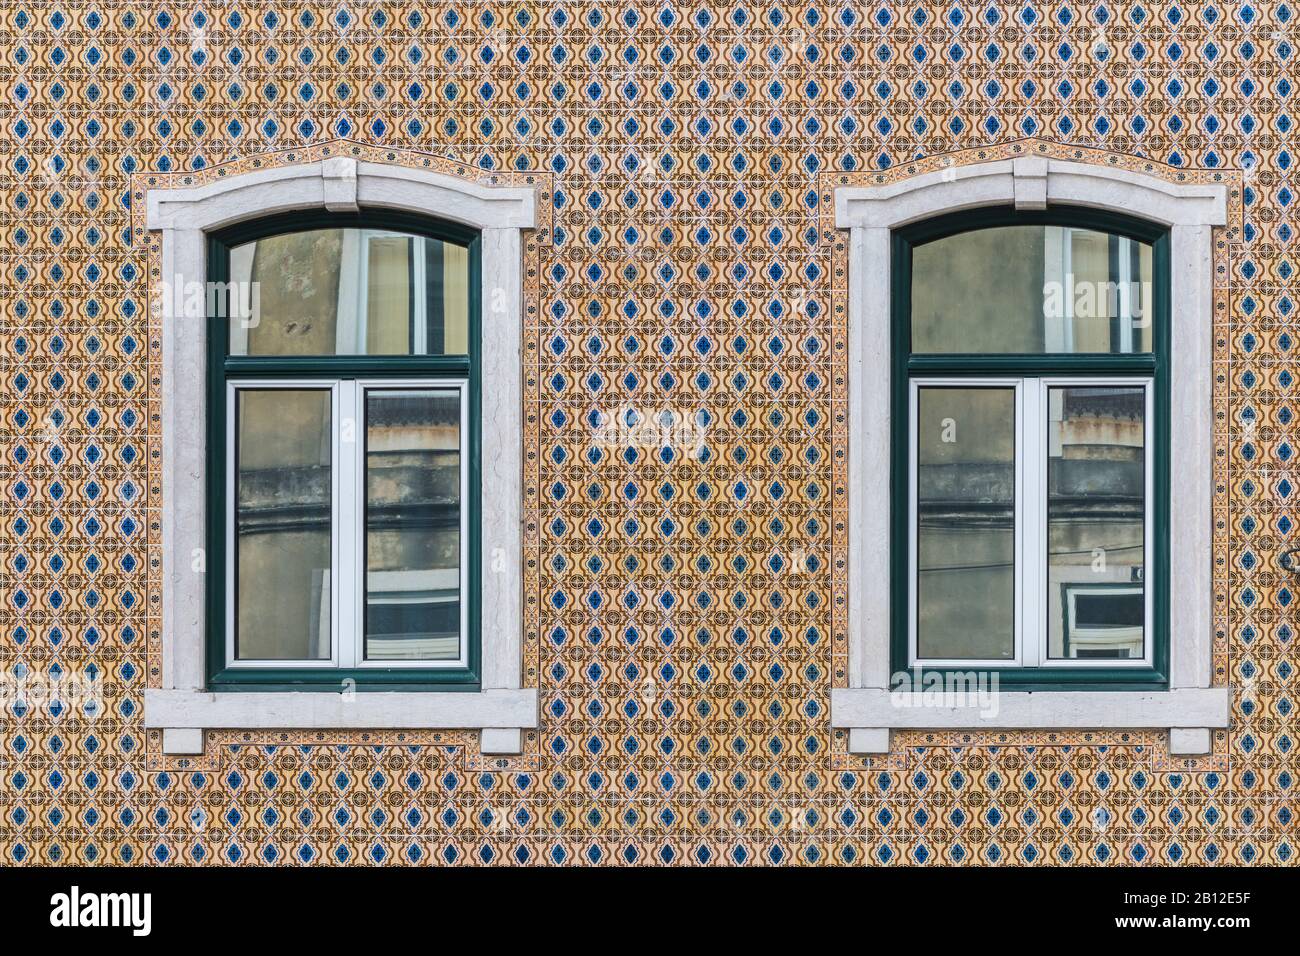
(685, 616)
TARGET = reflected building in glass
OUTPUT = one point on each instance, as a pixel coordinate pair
(1096, 497)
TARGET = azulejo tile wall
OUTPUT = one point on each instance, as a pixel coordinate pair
(684, 619)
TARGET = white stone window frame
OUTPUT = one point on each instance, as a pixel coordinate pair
(182, 707)
(1190, 709)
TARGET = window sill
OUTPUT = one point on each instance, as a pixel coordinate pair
(1188, 713)
(183, 715)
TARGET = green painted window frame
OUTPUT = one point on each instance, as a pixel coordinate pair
(905, 366)
(223, 368)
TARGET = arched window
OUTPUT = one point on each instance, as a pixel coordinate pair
(1032, 389)
(335, 517)
(1030, 451)
(344, 477)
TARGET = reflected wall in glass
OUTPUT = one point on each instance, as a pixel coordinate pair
(966, 523)
(413, 524)
(1096, 519)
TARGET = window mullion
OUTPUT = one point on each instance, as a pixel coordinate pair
(347, 439)
(1032, 534)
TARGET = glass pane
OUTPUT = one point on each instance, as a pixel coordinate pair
(283, 459)
(349, 292)
(1096, 489)
(966, 511)
(413, 542)
(1032, 289)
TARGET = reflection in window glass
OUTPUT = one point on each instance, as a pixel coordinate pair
(966, 492)
(1032, 289)
(1095, 521)
(413, 506)
(349, 292)
(283, 496)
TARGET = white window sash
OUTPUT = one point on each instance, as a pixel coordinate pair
(1031, 528)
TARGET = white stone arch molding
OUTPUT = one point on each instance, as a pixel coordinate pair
(1190, 708)
(182, 707)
